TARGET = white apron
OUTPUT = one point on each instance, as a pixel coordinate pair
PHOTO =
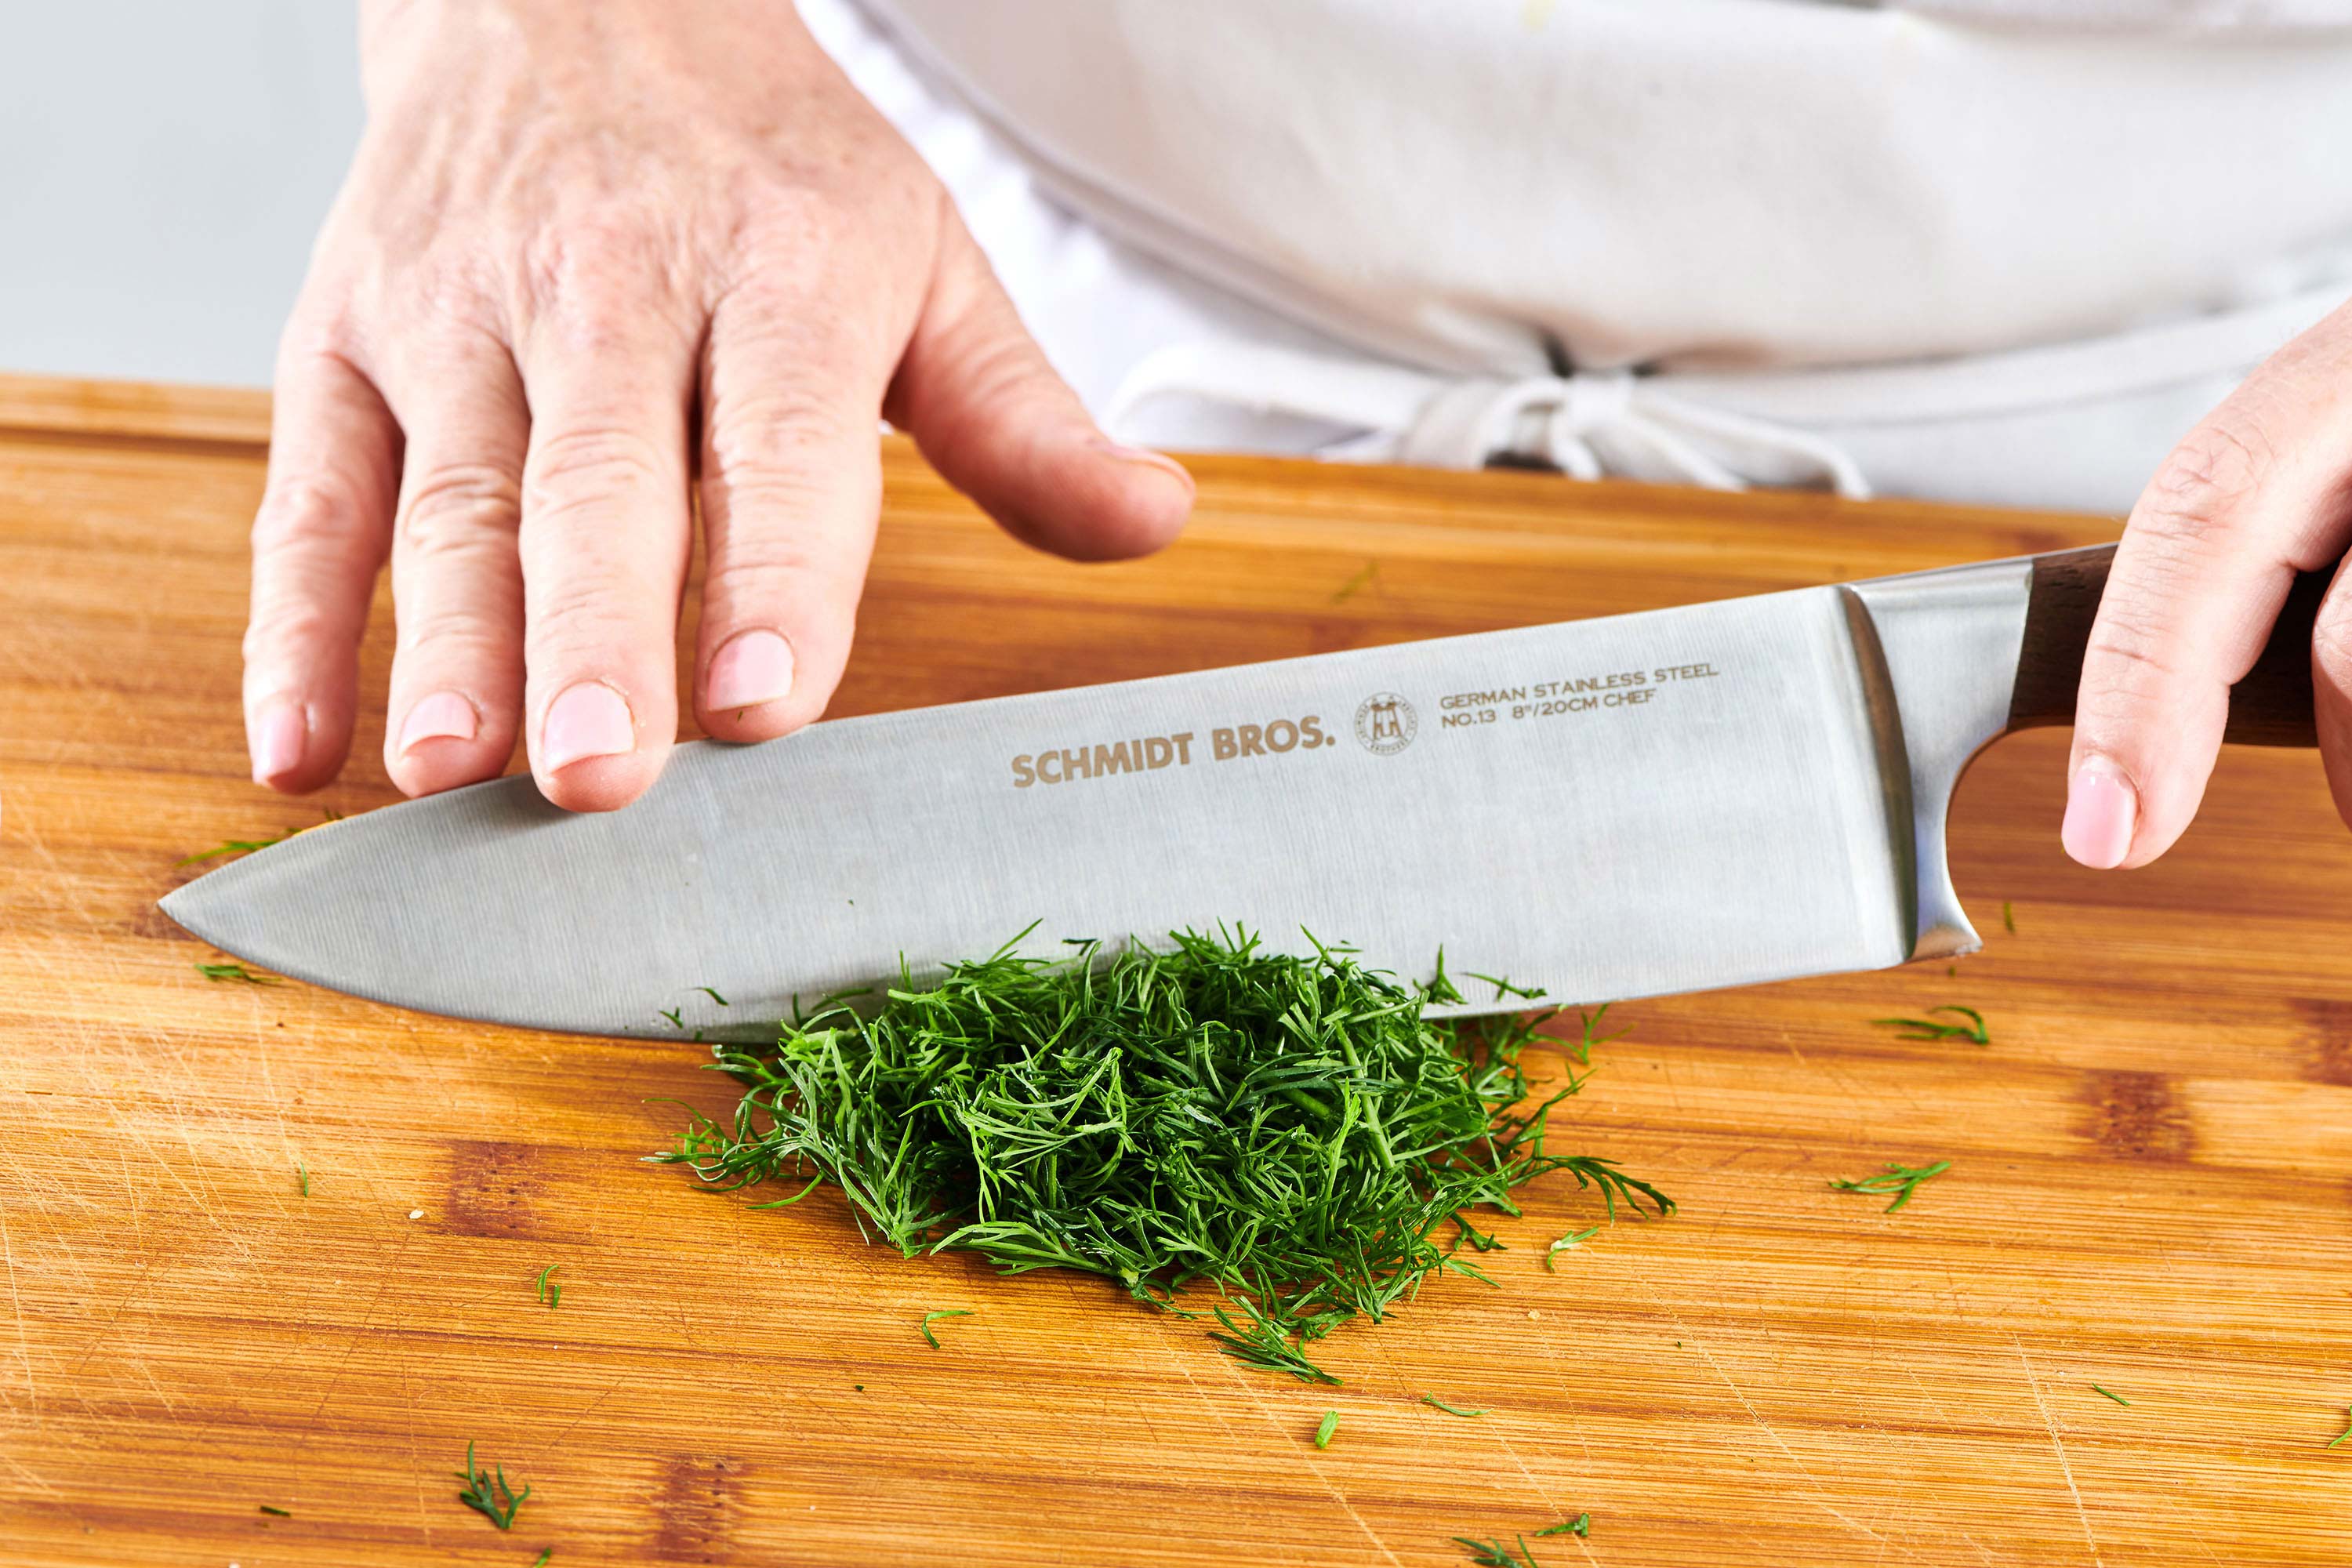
(1995, 250)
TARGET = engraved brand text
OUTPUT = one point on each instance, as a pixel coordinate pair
(1147, 753)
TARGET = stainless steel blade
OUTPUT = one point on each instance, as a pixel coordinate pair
(1688, 798)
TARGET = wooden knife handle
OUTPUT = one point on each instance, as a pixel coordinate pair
(2270, 707)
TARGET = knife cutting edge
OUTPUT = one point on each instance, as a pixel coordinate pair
(1718, 794)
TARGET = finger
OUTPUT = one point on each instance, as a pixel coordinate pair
(2331, 686)
(792, 486)
(457, 576)
(603, 544)
(979, 397)
(2254, 494)
(318, 538)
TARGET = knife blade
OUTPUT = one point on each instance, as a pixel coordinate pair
(1718, 794)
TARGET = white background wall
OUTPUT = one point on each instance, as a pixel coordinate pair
(163, 165)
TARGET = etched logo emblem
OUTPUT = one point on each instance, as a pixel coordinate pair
(1386, 723)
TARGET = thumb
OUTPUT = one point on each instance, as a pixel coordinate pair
(980, 399)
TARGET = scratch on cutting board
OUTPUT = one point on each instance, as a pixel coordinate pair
(2059, 1448)
(16, 1309)
(1819, 1498)
(1306, 1457)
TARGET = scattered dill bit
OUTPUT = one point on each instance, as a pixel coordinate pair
(1900, 1180)
(2347, 1437)
(1494, 1555)
(930, 1317)
(2111, 1394)
(1330, 1424)
(2009, 917)
(1292, 1132)
(1266, 1343)
(231, 846)
(234, 971)
(1449, 1409)
(540, 1561)
(551, 1290)
(714, 996)
(1927, 1028)
(483, 1497)
(677, 1016)
(1580, 1526)
(1362, 579)
(1567, 1242)
(302, 1178)
(279, 1513)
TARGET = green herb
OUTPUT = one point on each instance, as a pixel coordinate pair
(231, 846)
(1928, 1029)
(1266, 1342)
(1449, 1409)
(551, 1290)
(303, 1177)
(1900, 1180)
(1494, 1555)
(234, 972)
(714, 996)
(930, 1317)
(280, 1512)
(1567, 1242)
(2111, 1394)
(677, 1016)
(1330, 1424)
(484, 1499)
(1361, 579)
(2007, 917)
(1293, 1133)
(1581, 1525)
(2347, 1431)
(540, 1561)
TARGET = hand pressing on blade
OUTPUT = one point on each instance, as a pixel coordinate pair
(2261, 490)
(589, 258)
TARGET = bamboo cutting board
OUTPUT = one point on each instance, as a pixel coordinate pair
(2148, 1188)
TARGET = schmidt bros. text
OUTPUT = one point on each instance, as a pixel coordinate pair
(1147, 753)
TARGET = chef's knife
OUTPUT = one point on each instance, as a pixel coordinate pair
(1735, 792)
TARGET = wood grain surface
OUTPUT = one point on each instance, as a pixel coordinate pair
(2149, 1187)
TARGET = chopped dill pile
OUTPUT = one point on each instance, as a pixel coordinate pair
(1293, 1131)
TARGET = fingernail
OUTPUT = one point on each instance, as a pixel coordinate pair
(751, 667)
(1160, 461)
(277, 739)
(2101, 811)
(590, 720)
(443, 716)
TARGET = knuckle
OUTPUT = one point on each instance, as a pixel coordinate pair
(2203, 481)
(571, 469)
(575, 269)
(798, 427)
(463, 636)
(312, 509)
(583, 621)
(458, 505)
(301, 625)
